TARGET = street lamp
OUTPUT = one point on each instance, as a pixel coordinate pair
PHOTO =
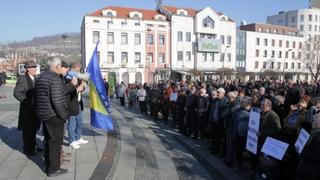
(284, 59)
(224, 57)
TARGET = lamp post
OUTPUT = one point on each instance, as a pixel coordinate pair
(284, 59)
(224, 58)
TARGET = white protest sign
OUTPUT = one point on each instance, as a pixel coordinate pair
(254, 120)
(274, 148)
(173, 96)
(302, 140)
(252, 141)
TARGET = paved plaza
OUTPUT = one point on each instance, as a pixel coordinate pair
(140, 149)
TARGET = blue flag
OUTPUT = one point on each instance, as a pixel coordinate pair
(99, 100)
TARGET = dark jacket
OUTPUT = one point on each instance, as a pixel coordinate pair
(202, 104)
(269, 125)
(191, 102)
(281, 112)
(181, 105)
(154, 97)
(24, 92)
(50, 97)
(309, 167)
(231, 108)
(72, 99)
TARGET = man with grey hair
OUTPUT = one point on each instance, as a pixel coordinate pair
(51, 109)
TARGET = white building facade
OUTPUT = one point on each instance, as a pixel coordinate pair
(262, 53)
(306, 20)
(126, 49)
(188, 28)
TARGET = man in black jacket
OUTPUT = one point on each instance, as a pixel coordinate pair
(51, 109)
(28, 122)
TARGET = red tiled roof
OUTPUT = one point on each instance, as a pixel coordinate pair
(124, 12)
(173, 9)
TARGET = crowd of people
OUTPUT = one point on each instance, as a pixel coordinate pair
(218, 112)
(54, 101)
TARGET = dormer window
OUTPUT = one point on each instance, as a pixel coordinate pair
(159, 17)
(208, 22)
(136, 16)
(109, 13)
(182, 12)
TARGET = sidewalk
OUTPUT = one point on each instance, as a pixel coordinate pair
(142, 150)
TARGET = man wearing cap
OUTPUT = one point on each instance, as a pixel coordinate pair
(28, 122)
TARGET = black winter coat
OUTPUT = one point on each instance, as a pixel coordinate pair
(50, 97)
(24, 92)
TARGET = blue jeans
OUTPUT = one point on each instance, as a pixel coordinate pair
(75, 125)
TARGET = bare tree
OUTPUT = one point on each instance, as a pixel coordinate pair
(311, 56)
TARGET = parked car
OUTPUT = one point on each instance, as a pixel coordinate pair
(11, 80)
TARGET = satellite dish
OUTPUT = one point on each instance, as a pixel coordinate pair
(242, 23)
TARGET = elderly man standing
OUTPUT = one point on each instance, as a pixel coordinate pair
(28, 122)
(52, 111)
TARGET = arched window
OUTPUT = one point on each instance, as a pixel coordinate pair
(109, 14)
(135, 16)
(208, 22)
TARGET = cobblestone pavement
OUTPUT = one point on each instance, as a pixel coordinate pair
(140, 149)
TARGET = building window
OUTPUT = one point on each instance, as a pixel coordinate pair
(180, 56)
(124, 57)
(272, 54)
(137, 39)
(272, 65)
(310, 18)
(150, 39)
(286, 56)
(150, 58)
(161, 39)
(301, 27)
(124, 38)
(299, 55)
(180, 37)
(280, 43)
(292, 65)
(287, 44)
(279, 65)
(205, 58)
(188, 55)
(266, 42)
(264, 65)
(95, 36)
(280, 54)
(211, 55)
(299, 65)
(98, 56)
(208, 22)
(293, 19)
(188, 36)
(229, 57)
(273, 42)
(256, 64)
(110, 57)
(301, 18)
(293, 55)
(265, 54)
(309, 27)
(257, 52)
(161, 58)
(110, 37)
(315, 28)
(229, 40)
(286, 65)
(293, 44)
(316, 18)
(221, 57)
(257, 41)
(222, 39)
(137, 57)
